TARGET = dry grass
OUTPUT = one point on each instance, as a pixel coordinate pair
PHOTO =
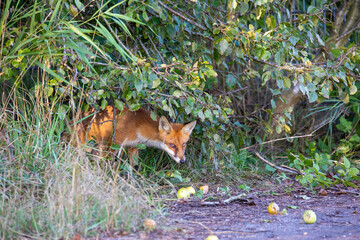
(50, 190)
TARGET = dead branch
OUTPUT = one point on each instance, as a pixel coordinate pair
(227, 201)
(281, 168)
(276, 140)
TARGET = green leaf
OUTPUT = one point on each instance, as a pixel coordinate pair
(80, 32)
(344, 125)
(79, 5)
(119, 104)
(353, 172)
(266, 76)
(138, 84)
(134, 107)
(201, 115)
(287, 82)
(156, 83)
(223, 46)
(312, 97)
(177, 93)
(244, 7)
(230, 81)
(346, 162)
(109, 37)
(191, 101)
(293, 40)
(278, 58)
(320, 41)
(270, 22)
(48, 91)
(353, 89)
(104, 103)
(141, 146)
(153, 115)
(293, 207)
(312, 9)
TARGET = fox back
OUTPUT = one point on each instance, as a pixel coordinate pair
(130, 128)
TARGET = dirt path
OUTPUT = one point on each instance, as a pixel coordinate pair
(338, 217)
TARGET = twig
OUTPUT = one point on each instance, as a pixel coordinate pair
(276, 140)
(227, 201)
(144, 48)
(352, 49)
(283, 169)
(157, 51)
(181, 16)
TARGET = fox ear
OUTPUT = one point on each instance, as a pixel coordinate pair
(189, 127)
(164, 124)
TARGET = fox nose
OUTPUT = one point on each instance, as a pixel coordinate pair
(182, 161)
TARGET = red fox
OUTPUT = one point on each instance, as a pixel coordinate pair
(130, 128)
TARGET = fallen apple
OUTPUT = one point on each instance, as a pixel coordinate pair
(309, 217)
(191, 190)
(204, 188)
(149, 224)
(212, 237)
(183, 193)
(273, 208)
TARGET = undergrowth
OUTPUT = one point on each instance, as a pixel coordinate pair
(50, 190)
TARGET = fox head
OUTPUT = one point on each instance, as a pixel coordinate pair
(174, 138)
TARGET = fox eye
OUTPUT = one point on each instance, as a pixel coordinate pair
(172, 145)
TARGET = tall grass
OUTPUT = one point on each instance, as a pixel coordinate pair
(50, 190)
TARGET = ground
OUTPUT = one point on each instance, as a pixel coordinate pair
(337, 210)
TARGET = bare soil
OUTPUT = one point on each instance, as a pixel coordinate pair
(337, 210)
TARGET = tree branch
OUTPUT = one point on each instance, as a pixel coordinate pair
(282, 168)
(181, 16)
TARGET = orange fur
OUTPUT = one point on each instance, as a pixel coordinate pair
(130, 128)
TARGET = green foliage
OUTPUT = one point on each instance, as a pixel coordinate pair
(325, 167)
